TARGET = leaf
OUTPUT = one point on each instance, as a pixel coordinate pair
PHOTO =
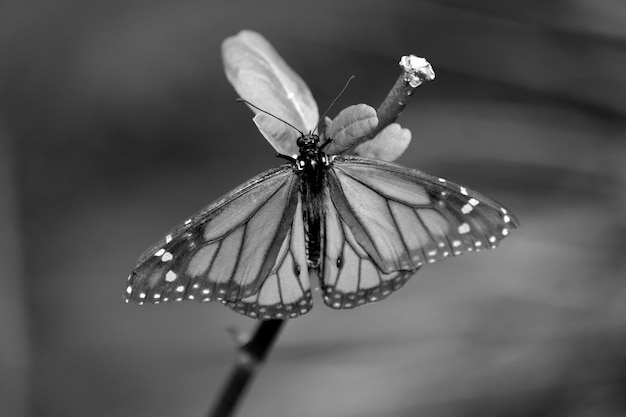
(388, 145)
(350, 127)
(322, 128)
(283, 140)
(262, 77)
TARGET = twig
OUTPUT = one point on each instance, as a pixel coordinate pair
(250, 356)
(415, 71)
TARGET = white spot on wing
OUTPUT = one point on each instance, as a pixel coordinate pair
(180, 288)
(171, 276)
(167, 256)
(463, 190)
(467, 208)
(473, 201)
(160, 252)
(168, 238)
(129, 289)
(464, 228)
(505, 231)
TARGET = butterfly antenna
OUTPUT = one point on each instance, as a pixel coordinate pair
(241, 100)
(352, 77)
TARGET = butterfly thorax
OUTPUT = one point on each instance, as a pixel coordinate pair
(311, 166)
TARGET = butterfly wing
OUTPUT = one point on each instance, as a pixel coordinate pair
(350, 276)
(235, 251)
(286, 292)
(384, 221)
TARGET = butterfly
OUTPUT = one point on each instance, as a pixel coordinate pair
(363, 226)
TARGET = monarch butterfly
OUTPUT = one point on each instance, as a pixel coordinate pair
(363, 225)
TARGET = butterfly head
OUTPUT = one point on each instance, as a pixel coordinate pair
(308, 142)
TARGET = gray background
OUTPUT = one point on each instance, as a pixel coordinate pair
(117, 122)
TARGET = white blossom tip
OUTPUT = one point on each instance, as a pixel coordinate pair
(417, 70)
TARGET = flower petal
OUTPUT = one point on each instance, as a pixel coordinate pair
(350, 127)
(388, 145)
(262, 77)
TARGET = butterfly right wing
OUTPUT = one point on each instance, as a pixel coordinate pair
(384, 221)
(235, 251)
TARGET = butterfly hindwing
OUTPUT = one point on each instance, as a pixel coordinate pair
(286, 292)
(226, 251)
(384, 221)
(350, 276)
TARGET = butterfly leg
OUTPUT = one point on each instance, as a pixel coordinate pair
(287, 157)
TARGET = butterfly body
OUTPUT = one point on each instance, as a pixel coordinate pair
(363, 226)
(311, 166)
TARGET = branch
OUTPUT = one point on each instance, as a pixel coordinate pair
(415, 71)
(251, 355)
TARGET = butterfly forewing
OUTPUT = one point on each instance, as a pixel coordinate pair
(226, 251)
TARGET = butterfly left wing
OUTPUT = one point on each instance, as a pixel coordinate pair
(235, 251)
(384, 221)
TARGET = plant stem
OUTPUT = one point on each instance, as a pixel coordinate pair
(415, 71)
(250, 356)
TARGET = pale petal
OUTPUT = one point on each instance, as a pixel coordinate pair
(262, 77)
(388, 145)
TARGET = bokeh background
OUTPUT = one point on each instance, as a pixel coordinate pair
(117, 122)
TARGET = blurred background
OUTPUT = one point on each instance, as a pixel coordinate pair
(117, 122)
